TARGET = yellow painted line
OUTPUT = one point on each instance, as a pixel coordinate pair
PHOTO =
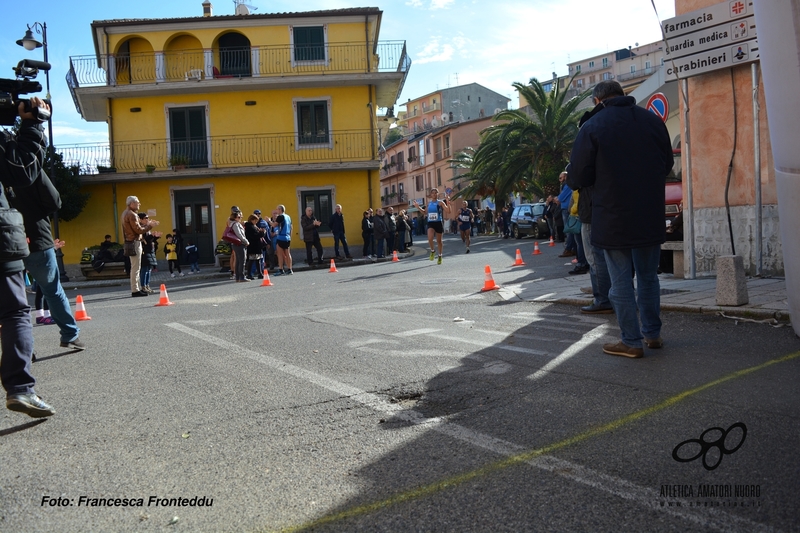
(524, 457)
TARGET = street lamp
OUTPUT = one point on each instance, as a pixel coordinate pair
(29, 42)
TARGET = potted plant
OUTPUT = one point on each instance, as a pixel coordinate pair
(104, 170)
(178, 161)
(150, 168)
(411, 159)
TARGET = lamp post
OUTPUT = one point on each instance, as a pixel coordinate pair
(29, 42)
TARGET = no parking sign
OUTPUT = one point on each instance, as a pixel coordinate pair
(659, 105)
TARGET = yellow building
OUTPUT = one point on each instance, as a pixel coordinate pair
(249, 110)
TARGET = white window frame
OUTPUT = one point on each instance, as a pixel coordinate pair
(324, 62)
(297, 145)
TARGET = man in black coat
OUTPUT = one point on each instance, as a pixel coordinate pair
(624, 151)
(337, 228)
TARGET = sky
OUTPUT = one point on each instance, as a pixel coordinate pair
(451, 42)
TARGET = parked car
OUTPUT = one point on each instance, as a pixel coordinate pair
(528, 219)
(674, 188)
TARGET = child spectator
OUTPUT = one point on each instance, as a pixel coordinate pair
(171, 251)
(193, 256)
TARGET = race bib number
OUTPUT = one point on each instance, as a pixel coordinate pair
(433, 217)
(464, 218)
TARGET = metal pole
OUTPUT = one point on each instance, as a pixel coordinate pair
(757, 164)
(52, 152)
(688, 221)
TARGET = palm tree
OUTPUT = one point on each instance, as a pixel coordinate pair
(524, 154)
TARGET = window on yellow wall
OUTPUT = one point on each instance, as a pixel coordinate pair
(312, 123)
(309, 43)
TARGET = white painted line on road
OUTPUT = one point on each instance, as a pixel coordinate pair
(485, 345)
(567, 354)
(412, 332)
(707, 517)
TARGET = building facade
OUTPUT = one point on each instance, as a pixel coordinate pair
(454, 104)
(250, 110)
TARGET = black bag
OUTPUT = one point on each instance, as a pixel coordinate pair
(13, 242)
(129, 248)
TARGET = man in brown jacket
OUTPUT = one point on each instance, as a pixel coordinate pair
(132, 230)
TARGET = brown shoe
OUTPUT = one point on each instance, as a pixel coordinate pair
(654, 344)
(623, 349)
(568, 253)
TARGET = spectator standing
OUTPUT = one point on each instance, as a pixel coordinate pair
(283, 237)
(366, 234)
(402, 230)
(549, 209)
(488, 219)
(564, 197)
(336, 224)
(21, 158)
(506, 222)
(35, 204)
(598, 270)
(171, 253)
(582, 266)
(193, 257)
(149, 260)
(624, 151)
(266, 244)
(239, 248)
(177, 240)
(310, 226)
(380, 231)
(253, 234)
(132, 230)
(391, 230)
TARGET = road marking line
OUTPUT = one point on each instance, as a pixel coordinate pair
(709, 518)
(484, 345)
(412, 332)
(513, 453)
(574, 349)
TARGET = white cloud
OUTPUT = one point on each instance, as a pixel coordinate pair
(441, 4)
(414, 3)
(434, 52)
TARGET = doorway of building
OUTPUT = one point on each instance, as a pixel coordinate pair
(193, 209)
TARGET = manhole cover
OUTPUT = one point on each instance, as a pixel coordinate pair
(438, 281)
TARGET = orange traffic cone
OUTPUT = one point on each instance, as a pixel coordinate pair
(489, 284)
(266, 282)
(80, 310)
(164, 300)
(536, 250)
(552, 241)
(395, 259)
(518, 261)
(333, 267)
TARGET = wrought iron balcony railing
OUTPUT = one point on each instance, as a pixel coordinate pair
(638, 74)
(256, 61)
(218, 152)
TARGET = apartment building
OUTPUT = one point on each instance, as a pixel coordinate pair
(454, 104)
(209, 111)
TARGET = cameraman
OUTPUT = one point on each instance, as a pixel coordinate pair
(20, 164)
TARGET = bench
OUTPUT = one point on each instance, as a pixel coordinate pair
(676, 247)
(110, 271)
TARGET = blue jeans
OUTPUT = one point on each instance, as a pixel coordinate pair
(647, 295)
(144, 275)
(570, 243)
(340, 237)
(598, 269)
(17, 337)
(44, 269)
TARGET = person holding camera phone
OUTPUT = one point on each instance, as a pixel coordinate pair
(21, 161)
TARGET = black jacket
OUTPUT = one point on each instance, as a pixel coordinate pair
(21, 159)
(337, 223)
(379, 227)
(624, 151)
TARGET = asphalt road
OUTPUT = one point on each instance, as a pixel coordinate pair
(399, 397)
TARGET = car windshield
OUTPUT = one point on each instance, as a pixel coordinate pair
(538, 210)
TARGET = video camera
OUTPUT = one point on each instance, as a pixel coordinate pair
(26, 70)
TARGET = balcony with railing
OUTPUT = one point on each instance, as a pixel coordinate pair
(255, 67)
(244, 152)
(637, 74)
(393, 168)
(394, 199)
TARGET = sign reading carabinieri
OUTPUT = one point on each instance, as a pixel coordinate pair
(703, 62)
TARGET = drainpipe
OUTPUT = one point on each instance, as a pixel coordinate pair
(778, 24)
(366, 43)
(371, 110)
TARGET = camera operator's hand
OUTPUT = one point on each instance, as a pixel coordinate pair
(32, 115)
